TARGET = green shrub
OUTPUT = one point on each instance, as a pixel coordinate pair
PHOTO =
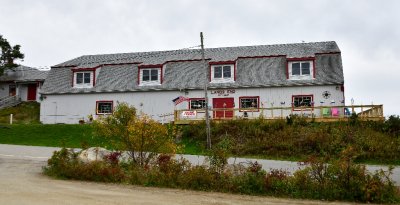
(340, 180)
(65, 164)
(344, 180)
(392, 125)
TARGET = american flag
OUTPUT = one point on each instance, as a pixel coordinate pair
(179, 100)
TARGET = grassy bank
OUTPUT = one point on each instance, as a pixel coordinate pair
(374, 142)
(24, 113)
(296, 139)
(48, 135)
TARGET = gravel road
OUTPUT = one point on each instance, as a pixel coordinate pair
(21, 182)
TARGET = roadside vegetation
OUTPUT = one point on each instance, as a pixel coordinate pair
(24, 113)
(290, 139)
(330, 174)
(340, 180)
(73, 136)
(297, 139)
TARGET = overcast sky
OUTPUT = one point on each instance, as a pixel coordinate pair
(367, 32)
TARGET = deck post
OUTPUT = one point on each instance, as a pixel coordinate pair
(321, 111)
(362, 111)
(175, 116)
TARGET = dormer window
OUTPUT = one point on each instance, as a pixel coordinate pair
(222, 73)
(301, 70)
(150, 76)
(84, 79)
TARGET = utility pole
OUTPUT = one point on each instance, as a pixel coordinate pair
(205, 93)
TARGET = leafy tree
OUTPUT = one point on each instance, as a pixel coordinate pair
(8, 55)
(141, 136)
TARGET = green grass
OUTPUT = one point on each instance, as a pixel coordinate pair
(48, 135)
(190, 146)
(24, 113)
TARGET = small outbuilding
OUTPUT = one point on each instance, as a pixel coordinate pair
(21, 84)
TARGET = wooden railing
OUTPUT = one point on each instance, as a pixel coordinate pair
(9, 101)
(317, 113)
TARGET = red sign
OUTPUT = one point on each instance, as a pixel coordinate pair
(189, 114)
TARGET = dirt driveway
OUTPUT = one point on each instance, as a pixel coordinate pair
(21, 183)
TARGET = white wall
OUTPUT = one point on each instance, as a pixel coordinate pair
(4, 90)
(70, 108)
(38, 89)
(22, 91)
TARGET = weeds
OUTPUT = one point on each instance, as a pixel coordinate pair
(341, 179)
(295, 137)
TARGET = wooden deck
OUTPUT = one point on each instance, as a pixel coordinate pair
(316, 113)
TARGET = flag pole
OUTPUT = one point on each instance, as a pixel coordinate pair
(205, 93)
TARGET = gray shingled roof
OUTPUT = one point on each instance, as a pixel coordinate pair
(24, 74)
(186, 74)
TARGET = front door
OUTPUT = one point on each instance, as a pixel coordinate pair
(31, 92)
(12, 90)
(225, 103)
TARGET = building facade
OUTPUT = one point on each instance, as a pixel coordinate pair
(244, 78)
(22, 82)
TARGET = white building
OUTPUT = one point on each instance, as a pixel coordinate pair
(249, 77)
(21, 84)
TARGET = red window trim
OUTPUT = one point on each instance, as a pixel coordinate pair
(222, 62)
(306, 109)
(190, 99)
(325, 53)
(210, 64)
(271, 56)
(244, 97)
(104, 101)
(155, 66)
(300, 60)
(76, 70)
(100, 65)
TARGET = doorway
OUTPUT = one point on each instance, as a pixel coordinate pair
(12, 90)
(225, 103)
(31, 92)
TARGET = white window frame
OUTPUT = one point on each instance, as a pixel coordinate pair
(197, 108)
(150, 81)
(83, 84)
(104, 113)
(303, 107)
(223, 78)
(257, 105)
(301, 76)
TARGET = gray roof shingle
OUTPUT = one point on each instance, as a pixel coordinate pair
(183, 70)
(24, 74)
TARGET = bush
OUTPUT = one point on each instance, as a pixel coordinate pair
(65, 164)
(392, 125)
(344, 180)
(140, 135)
(340, 180)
